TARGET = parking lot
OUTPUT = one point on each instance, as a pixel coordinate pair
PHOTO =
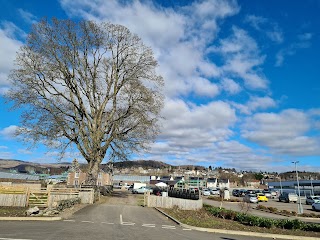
(274, 202)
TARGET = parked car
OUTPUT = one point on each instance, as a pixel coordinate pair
(215, 191)
(242, 192)
(261, 197)
(235, 192)
(312, 199)
(267, 193)
(273, 194)
(316, 206)
(288, 197)
(250, 191)
(205, 192)
(250, 198)
(142, 190)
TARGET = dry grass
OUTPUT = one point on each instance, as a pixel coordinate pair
(12, 211)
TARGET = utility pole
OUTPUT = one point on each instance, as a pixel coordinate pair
(300, 209)
(311, 186)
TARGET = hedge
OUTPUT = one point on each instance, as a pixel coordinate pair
(251, 220)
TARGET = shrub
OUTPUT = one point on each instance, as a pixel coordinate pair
(241, 218)
(286, 212)
(261, 207)
(251, 220)
(290, 224)
(272, 209)
(311, 227)
(267, 223)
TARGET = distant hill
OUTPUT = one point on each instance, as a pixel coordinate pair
(56, 168)
(141, 163)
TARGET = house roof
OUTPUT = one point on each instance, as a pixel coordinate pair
(6, 175)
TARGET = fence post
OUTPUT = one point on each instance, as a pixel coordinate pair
(28, 195)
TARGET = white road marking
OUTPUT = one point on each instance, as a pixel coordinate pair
(173, 227)
(128, 223)
(107, 223)
(148, 225)
(87, 221)
(168, 226)
(69, 220)
(186, 229)
(125, 223)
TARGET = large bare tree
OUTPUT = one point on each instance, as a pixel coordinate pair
(90, 84)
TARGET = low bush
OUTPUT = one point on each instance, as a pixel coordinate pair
(286, 212)
(261, 207)
(251, 220)
(272, 209)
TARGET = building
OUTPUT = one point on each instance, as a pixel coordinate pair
(223, 183)
(253, 183)
(212, 183)
(78, 178)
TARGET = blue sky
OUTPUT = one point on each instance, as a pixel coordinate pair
(241, 77)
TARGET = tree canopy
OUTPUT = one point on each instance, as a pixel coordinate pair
(90, 84)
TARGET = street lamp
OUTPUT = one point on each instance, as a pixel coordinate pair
(300, 209)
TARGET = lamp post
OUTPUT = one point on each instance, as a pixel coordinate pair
(300, 209)
(311, 186)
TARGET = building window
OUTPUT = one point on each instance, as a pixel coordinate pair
(76, 175)
(100, 175)
(76, 182)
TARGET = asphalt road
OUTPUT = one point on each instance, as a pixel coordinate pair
(106, 221)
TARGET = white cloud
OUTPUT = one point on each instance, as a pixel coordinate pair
(255, 103)
(9, 132)
(230, 86)
(179, 37)
(8, 48)
(303, 41)
(25, 151)
(190, 128)
(27, 16)
(265, 26)
(243, 59)
(283, 133)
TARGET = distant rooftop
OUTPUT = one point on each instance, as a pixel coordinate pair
(6, 175)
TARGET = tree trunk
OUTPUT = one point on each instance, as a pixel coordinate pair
(92, 173)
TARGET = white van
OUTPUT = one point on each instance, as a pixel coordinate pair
(288, 197)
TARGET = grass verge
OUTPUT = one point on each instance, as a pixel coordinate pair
(202, 218)
(12, 211)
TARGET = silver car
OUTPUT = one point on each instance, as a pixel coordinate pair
(316, 206)
(312, 199)
(250, 198)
